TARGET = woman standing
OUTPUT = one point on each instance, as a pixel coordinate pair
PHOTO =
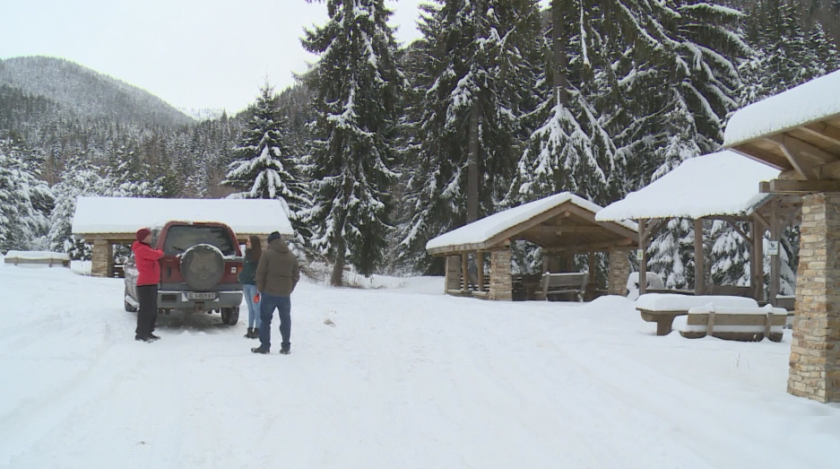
(253, 251)
(148, 268)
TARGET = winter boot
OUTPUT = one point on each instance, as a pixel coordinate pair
(260, 350)
(154, 337)
(286, 348)
(256, 334)
(143, 338)
(250, 333)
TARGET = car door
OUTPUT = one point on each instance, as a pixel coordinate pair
(131, 275)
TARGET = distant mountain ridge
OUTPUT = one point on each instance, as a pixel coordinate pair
(88, 93)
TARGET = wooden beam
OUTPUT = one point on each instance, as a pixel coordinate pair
(802, 167)
(699, 271)
(479, 262)
(804, 148)
(643, 241)
(779, 186)
(602, 246)
(739, 230)
(824, 131)
(757, 260)
(653, 226)
(465, 272)
(551, 229)
(763, 221)
(763, 156)
(775, 260)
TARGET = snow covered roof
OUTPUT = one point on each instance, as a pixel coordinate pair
(810, 102)
(481, 233)
(723, 183)
(127, 215)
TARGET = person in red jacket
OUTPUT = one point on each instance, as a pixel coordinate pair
(148, 268)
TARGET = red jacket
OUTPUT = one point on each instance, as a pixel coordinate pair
(148, 266)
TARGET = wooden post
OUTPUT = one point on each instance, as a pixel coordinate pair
(479, 263)
(643, 262)
(775, 260)
(570, 262)
(757, 260)
(465, 272)
(699, 270)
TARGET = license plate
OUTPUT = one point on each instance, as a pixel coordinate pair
(201, 296)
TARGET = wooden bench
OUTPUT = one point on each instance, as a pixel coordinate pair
(573, 283)
(663, 308)
(45, 258)
(741, 324)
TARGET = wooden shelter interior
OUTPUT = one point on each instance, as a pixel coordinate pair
(774, 214)
(562, 232)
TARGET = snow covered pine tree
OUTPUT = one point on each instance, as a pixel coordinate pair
(357, 84)
(263, 166)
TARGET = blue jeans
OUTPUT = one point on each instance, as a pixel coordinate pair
(253, 308)
(268, 303)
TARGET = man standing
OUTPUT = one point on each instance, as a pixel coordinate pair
(277, 276)
(148, 269)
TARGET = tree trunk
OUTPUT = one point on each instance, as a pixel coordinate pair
(472, 166)
(561, 83)
(337, 277)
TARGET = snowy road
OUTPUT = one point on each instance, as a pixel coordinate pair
(406, 378)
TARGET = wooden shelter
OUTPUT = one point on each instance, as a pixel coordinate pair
(718, 187)
(798, 133)
(563, 225)
(109, 221)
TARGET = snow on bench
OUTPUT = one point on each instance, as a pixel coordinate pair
(37, 258)
(746, 324)
(662, 308)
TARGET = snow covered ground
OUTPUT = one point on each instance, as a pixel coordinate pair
(406, 378)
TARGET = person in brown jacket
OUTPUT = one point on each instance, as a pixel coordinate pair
(277, 276)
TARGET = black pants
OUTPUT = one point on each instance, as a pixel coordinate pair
(147, 315)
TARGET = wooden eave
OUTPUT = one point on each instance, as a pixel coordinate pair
(566, 227)
(807, 152)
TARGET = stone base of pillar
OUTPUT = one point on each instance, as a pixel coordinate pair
(102, 259)
(501, 283)
(453, 273)
(815, 348)
(619, 273)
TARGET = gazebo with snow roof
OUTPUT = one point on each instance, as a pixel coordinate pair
(798, 133)
(721, 186)
(562, 224)
(108, 221)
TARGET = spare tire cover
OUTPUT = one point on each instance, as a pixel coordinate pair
(202, 267)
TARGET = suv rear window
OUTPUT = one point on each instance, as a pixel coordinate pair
(179, 238)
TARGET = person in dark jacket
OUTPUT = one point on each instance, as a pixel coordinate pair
(277, 276)
(148, 268)
(248, 278)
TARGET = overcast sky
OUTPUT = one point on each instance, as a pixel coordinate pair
(192, 53)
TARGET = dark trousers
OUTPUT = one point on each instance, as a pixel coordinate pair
(147, 314)
(268, 303)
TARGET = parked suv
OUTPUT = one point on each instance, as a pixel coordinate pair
(198, 271)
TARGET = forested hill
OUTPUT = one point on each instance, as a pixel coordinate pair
(88, 93)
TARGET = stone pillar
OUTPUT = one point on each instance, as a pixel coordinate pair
(619, 273)
(102, 258)
(815, 349)
(453, 273)
(501, 284)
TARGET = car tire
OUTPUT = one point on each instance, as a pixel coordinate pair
(230, 316)
(128, 307)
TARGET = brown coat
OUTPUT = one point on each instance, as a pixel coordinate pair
(278, 271)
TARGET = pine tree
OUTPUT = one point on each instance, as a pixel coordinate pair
(826, 58)
(264, 166)
(478, 84)
(77, 180)
(357, 84)
(25, 201)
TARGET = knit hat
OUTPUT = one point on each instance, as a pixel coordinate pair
(274, 235)
(142, 233)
